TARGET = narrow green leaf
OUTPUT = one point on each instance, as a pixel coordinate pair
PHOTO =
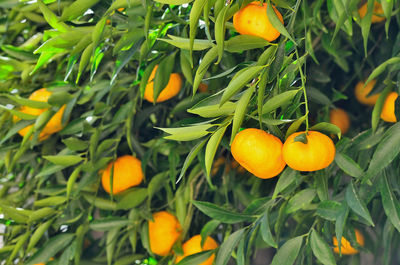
(205, 63)
(240, 111)
(226, 249)
(327, 128)
(276, 23)
(106, 224)
(220, 214)
(278, 101)
(341, 222)
(174, 2)
(163, 74)
(220, 31)
(76, 9)
(51, 18)
(389, 202)
(301, 199)
(190, 157)
(212, 146)
(242, 43)
(37, 235)
(348, 165)
(132, 199)
(187, 133)
(288, 252)
(329, 210)
(356, 204)
(321, 249)
(197, 9)
(64, 160)
(266, 231)
(288, 177)
(376, 112)
(196, 258)
(208, 229)
(184, 43)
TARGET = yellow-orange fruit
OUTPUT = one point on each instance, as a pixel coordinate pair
(316, 154)
(361, 92)
(346, 248)
(127, 173)
(193, 246)
(341, 119)
(172, 89)
(164, 231)
(203, 87)
(53, 125)
(388, 110)
(253, 20)
(377, 13)
(258, 152)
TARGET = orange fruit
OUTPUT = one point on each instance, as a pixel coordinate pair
(388, 113)
(43, 263)
(258, 152)
(361, 92)
(377, 13)
(164, 231)
(317, 154)
(53, 125)
(193, 246)
(172, 89)
(203, 87)
(127, 173)
(346, 248)
(341, 119)
(253, 20)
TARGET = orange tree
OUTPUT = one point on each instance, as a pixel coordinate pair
(112, 163)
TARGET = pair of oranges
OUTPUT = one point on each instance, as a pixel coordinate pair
(362, 93)
(165, 230)
(265, 156)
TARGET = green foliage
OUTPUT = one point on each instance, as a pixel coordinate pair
(97, 57)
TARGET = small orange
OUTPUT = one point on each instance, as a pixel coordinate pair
(346, 248)
(127, 173)
(361, 92)
(203, 87)
(317, 154)
(53, 125)
(43, 263)
(258, 152)
(341, 119)
(172, 89)
(164, 231)
(253, 20)
(388, 113)
(377, 13)
(193, 246)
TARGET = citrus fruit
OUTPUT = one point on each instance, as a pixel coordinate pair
(127, 173)
(193, 246)
(53, 125)
(172, 89)
(164, 231)
(362, 93)
(253, 20)
(316, 154)
(341, 119)
(258, 152)
(388, 108)
(346, 248)
(203, 87)
(377, 12)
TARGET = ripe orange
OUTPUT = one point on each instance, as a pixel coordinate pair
(258, 152)
(127, 173)
(53, 125)
(341, 119)
(378, 10)
(164, 231)
(172, 89)
(193, 246)
(253, 20)
(203, 87)
(346, 248)
(388, 109)
(361, 92)
(317, 154)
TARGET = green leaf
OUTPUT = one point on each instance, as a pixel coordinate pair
(109, 223)
(27, 102)
(327, 127)
(241, 43)
(197, 9)
(301, 199)
(51, 248)
(72, 179)
(37, 235)
(321, 249)
(278, 101)
(205, 63)
(50, 201)
(184, 43)
(385, 153)
(51, 18)
(329, 210)
(21, 241)
(132, 199)
(266, 231)
(226, 249)
(288, 177)
(187, 133)
(19, 114)
(276, 23)
(356, 204)
(295, 125)
(220, 214)
(215, 110)
(288, 252)
(64, 160)
(212, 146)
(76, 9)
(376, 112)
(207, 230)
(174, 2)
(75, 144)
(340, 222)
(163, 74)
(196, 258)
(190, 157)
(348, 165)
(389, 202)
(220, 31)
(240, 111)
(366, 24)
(240, 81)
